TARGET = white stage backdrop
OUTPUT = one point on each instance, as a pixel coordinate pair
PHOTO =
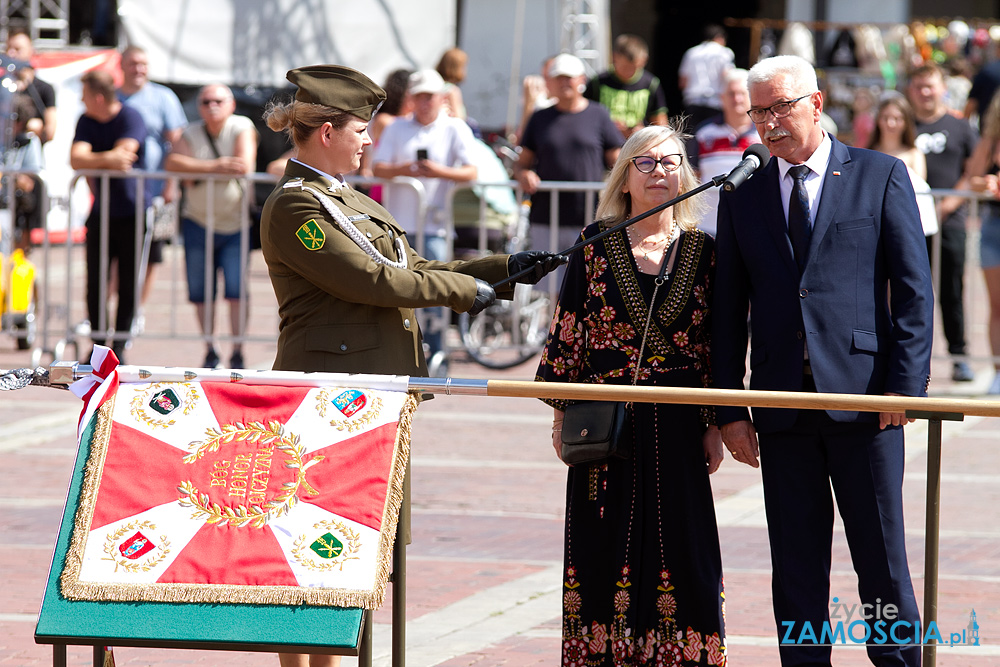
(254, 42)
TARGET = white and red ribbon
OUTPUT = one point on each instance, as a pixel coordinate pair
(102, 378)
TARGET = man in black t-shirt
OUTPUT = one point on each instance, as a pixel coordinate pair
(947, 142)
(574, 140)
(110, 136)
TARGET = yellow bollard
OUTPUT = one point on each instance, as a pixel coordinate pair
(22, 281)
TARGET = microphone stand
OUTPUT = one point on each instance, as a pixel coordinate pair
(715, 182)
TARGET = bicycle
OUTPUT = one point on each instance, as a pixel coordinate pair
(509, 333)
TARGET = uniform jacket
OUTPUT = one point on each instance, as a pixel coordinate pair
(339, 310)
(863, 303)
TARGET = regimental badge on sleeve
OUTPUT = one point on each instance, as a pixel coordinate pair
(311, 235)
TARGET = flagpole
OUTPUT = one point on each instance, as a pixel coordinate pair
(64, 373)
(692, 396)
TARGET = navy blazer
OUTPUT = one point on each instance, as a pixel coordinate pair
(863, 303)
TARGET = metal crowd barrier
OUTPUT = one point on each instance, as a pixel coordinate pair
(57, 335)
(62, 315)
(62, 308)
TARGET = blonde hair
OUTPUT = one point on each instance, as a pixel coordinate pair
(990, 119)
(300, 119)
(616, 206)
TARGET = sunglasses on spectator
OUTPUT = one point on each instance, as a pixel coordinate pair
(208, 101)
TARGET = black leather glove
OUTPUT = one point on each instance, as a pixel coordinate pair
(485, 296)
(542, 262)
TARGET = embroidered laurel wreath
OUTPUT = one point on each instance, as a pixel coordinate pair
(338, 553)
(154, 559)
(252, 515)
(141, 399)
(357, 423)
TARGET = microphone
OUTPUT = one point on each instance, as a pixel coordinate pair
(754, 158)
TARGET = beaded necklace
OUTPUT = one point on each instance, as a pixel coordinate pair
(665, 241)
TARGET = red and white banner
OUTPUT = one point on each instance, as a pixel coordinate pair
(235, 492)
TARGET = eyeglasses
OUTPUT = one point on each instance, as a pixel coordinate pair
(207, 102)
(646, 164)
(779, 110)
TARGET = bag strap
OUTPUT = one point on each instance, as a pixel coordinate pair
(660, 279)
(211, 141)
(215, 151)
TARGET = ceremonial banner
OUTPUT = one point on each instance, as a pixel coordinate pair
(239, 493)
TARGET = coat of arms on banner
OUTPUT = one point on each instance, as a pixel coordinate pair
(352, 410)
(223, 492)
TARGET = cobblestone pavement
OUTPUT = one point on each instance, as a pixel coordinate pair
(488, 499)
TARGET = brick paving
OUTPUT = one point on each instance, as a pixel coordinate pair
(488, 499)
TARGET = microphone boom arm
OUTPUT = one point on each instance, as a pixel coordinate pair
(715, 182)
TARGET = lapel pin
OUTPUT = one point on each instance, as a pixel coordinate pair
(836, 173)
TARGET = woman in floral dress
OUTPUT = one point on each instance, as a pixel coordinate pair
(642, 583)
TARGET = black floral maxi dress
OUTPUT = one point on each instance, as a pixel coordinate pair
(642, 583)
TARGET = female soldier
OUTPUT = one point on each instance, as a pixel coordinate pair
(344, 275)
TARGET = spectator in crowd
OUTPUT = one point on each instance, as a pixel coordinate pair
(24, 154)
(221, 143)
(434, 148)
(820, 246)
(983, 177)
(958, 84)
(110, 136)
(632, 95)
(947, 143)
(573, 140)
(397, 105)
(452, 68)
(165, 120)
(701, 71)
(43, 97)
(722, 139)
(863, 117)
(984, 84)
(536, 93)
(895, 133)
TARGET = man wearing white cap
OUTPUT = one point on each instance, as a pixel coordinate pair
(434, 148)
(574, 140)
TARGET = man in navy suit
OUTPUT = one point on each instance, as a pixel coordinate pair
(829, 261)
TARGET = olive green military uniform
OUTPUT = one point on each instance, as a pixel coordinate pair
(340, 310)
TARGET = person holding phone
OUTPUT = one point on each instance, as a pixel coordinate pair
(436, 149)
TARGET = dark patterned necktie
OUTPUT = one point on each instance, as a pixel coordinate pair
(799, 223)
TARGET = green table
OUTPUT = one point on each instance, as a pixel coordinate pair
(228, 627)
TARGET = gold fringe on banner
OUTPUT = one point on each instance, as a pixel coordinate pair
(73, 588)
(69, 580)
(394, 499)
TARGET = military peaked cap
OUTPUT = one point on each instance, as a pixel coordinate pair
(339, 87)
